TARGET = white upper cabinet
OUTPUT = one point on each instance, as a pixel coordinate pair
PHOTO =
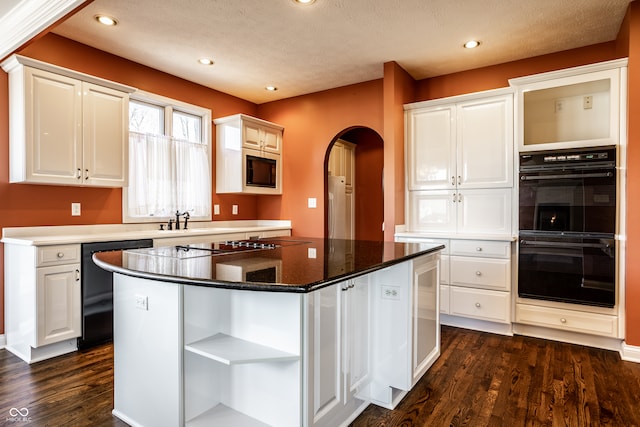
(431, 148)
(575, 107)
(460, 164)
(468, 144)
(259, 135)
(485, 143)
(66, 128)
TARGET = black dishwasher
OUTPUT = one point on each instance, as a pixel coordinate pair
(97, 292)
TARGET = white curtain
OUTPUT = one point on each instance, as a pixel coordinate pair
(167, 175)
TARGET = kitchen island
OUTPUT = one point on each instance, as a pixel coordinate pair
(287, 331)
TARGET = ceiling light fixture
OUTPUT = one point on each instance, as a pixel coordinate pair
(305, 2)
(205, 61)
(106, 20)
(471, 44)
(271, 88)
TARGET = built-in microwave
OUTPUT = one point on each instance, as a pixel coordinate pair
(261, 172)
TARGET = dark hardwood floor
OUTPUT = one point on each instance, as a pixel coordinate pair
(480, 380)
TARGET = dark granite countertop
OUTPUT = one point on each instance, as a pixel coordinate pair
(296, 264)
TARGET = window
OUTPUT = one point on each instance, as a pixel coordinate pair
(169, 160)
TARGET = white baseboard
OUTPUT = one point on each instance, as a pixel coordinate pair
(3, 341)
(630, 353)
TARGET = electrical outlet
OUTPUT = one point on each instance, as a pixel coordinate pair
(142, 302)
(311, 253)
(390, 292)
(75, 209)
(312, 202)
(216, 209)
(234, 209)
(587, 102)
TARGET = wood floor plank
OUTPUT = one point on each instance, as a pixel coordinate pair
(479, 380)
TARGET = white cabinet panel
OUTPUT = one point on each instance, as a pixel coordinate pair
(484, 211)
(432, 211)
(58, 304)
(484, 273)
(53, 128)
(431, 148)
(106, 124)
(445, 297)
(426, 308)
(576, 321)
(485, 143)
(481, 304)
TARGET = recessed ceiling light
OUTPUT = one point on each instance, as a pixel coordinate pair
(205, 61)
(471, 44)
(106, 20)
(271, 88)
(305, 2)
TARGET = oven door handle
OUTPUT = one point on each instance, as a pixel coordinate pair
(568, 176)
(565, 244)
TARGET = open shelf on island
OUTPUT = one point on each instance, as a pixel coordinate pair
(224, 416)
(232, 351)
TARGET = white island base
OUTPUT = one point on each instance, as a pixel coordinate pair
(187, 355)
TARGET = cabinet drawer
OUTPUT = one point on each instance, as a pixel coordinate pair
(488, 273)
(480, 304)
(481, 248)
(576, 321)
(56, 255)
(445, 291)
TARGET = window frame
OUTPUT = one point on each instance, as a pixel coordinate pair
(170, 105)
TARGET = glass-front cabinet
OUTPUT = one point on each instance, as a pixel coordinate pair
(576, 107)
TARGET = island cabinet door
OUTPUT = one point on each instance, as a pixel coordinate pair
(324, 380)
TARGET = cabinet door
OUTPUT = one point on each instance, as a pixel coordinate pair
(432, 211)
(425, 307)
(485, 143)
(58, 303)
(325, 385)
(355, 315)
(53, 107)
(106, 124)
(271, 140)
(484, 211)
(431, 148)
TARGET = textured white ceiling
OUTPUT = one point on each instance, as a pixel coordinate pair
(333, 43)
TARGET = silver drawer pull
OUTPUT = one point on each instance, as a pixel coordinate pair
(60, 254)
(478, 273)
(479, 249)
(563, 320)
(478, 305)
(453, 180)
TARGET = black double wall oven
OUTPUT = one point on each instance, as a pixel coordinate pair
(567, 218)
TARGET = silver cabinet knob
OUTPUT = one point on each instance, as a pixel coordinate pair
(563, 320)
(60, 254)
(478, 273)
(478, 305)
(479, 249)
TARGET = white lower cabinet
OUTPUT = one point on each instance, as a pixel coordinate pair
(231, 357)
(568, 320)
(42, 300)
(480, 211)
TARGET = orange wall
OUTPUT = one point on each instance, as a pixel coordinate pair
(311, 123)
(631, 27)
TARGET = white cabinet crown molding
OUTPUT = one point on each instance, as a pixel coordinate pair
(15, 61)
(28, 18)
(459, 98)
(569, 72)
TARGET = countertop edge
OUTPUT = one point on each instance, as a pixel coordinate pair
(311, 287)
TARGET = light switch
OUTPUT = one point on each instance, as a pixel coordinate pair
(216, 209)
(312, 202)
(234, 209)
(311, 253)
(75, 209)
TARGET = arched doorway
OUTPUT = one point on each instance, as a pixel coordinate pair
(366, 184)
